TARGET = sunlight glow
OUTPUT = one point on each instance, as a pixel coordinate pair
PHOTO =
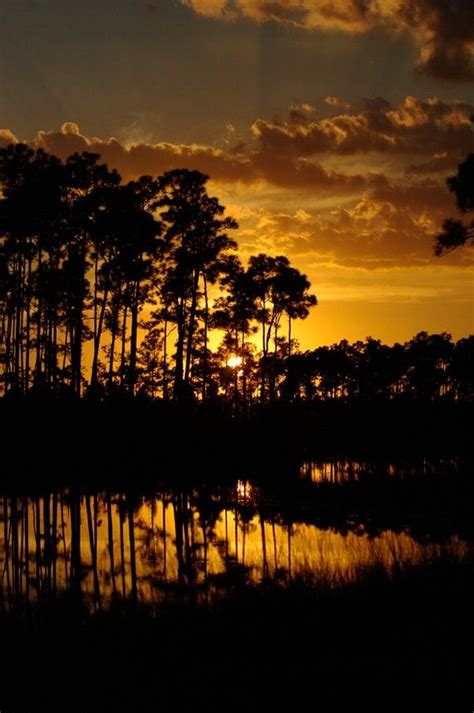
(234, 361)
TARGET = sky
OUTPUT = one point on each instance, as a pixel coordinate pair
(327, 127)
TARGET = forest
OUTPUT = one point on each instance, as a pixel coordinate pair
(177, 468)
(112, 289)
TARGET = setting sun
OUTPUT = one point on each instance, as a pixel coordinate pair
(234, 361)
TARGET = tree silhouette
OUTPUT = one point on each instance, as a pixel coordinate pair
(279, 289)
(196, 243)
(456, 232)
(132, 267)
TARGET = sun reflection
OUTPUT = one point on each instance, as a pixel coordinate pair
(246, 492)
(104, 554)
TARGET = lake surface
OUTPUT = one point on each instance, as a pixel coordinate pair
(340, 471)
(200, 541)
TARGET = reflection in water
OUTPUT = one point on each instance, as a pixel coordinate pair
(102, 546)
(340, 471)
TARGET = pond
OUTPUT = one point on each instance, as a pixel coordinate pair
(106, 546)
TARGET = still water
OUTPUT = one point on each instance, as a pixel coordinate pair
(106, 546)
(340, 471)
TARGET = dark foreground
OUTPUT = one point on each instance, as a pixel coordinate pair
(395, 638)
(128, 442)
(378, 645)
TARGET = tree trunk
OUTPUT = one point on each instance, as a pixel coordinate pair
(97, 337)
(133, 340)
(93, 548)
(206, 320)
(133, 564)
(124, 339)
(164, 365)
(178, 375)
(192, 322)
(110, 533)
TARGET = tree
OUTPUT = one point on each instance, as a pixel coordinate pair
(196, 242)
(456, 232)
(429, 356)
(31, 222)
(234, 313)
(279, 288)
(85, 179)
(139, 248)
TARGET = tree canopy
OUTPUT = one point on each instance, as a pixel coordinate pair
(457, 233)
(109, 287)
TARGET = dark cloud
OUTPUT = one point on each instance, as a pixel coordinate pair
(438, 163)
(443, 29)
(360, 219)
(289, 154)
(414, 127)
(254, 165)
(145, 158)
(446, 34)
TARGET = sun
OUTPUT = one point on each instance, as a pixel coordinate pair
(234, 361)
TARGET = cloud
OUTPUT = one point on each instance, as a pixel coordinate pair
(442, 29)
(300, 172)
(137, 159)
(391, 224)
(249, 165)
(343, 155)
(7, 137)
(346, 15)
(437, 163)
(445, 30)
(415, 126)
(302, 113)
(337, 103)
(335, 225)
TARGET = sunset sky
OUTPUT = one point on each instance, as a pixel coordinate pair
(328, 130)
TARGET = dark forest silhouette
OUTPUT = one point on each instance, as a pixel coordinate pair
(82, 254)
(136, 458)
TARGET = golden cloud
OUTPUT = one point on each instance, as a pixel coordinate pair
(256, 165)
(337, 103)
(392, 213)
(287, 153)
(139, 159)
(415, 126)
(390, 224)
(7, 137)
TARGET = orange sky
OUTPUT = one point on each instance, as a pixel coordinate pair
(328, 131)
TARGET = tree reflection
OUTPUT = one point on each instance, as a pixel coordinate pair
(198, 541)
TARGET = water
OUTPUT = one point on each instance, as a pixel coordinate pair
(340, 471)
(105, 546)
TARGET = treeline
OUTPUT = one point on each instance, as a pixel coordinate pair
(428, 367)
(82, 255)
(110, 288)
